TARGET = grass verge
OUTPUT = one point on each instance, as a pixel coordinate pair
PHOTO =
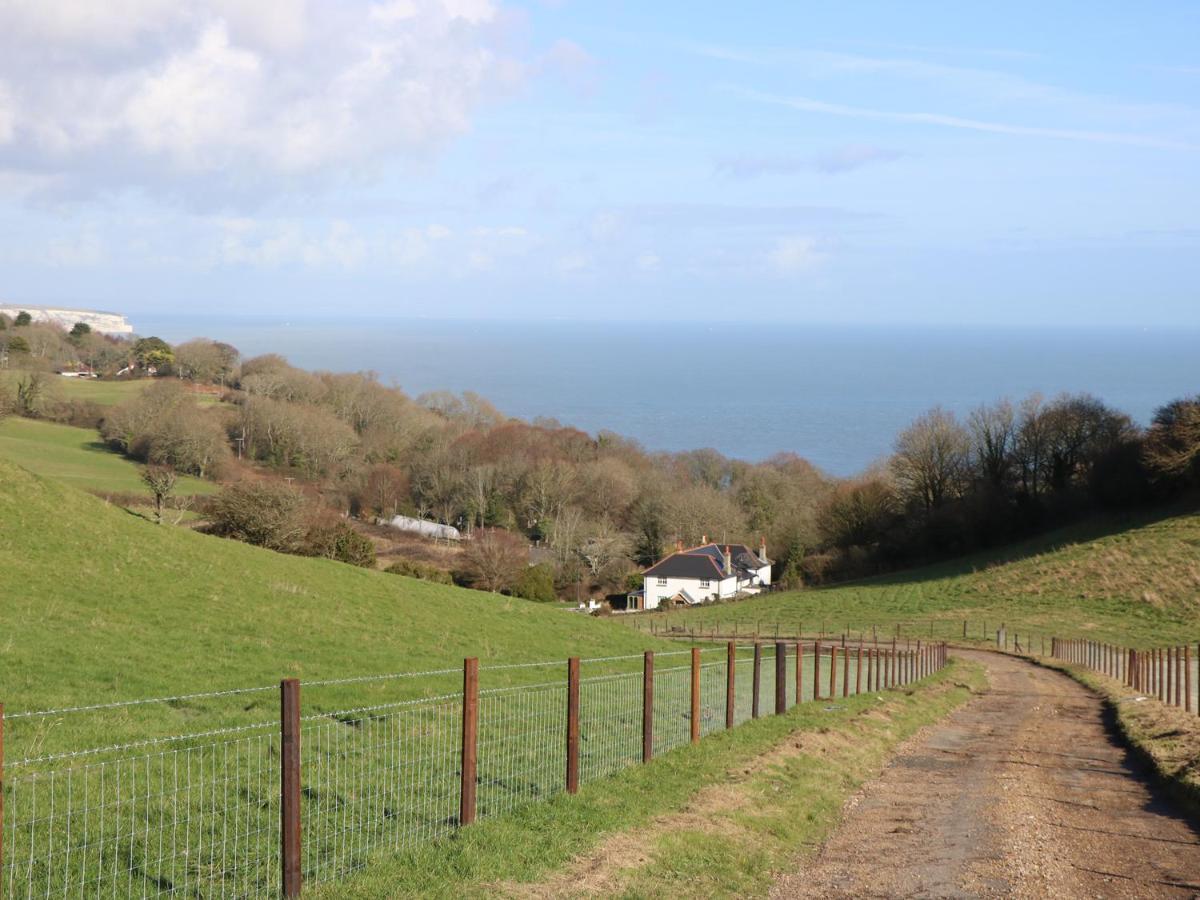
(1165, 738)
(720, 818)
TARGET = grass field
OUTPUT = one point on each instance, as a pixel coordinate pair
(104, 393)
(99, 604)
(1133, 582)
(78, 457)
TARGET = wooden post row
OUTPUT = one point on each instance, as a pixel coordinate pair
(648, 706)
(289, 785)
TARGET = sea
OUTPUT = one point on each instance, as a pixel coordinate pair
(835, 395)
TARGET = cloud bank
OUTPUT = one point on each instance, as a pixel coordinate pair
(242, 95)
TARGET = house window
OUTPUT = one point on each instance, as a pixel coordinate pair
(704, 582)
(662, 582)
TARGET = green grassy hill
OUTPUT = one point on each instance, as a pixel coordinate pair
(78, 457)
(1139, 582)
(99, 604)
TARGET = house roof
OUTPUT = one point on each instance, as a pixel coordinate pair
(706, 561)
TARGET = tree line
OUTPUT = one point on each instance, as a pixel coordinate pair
(345, 446)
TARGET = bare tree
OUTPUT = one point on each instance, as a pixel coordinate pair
(931, 459)
(605, 550)
(993, 433)
(493, 560)
(161, 482)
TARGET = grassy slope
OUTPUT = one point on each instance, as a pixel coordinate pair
(78, 457)
(100, 604)
(1140, 584)
(104, 393)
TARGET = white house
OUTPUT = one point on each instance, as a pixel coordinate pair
(707, 572)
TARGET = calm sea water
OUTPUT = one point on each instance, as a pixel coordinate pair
(835, 395)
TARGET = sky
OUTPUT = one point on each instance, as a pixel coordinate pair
(861, 162)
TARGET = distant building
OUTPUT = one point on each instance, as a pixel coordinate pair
(103, 322)
(708, 572)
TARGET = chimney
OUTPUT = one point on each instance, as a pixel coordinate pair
(728, 561)
(762, 549)
(678, 545)
(703, 540)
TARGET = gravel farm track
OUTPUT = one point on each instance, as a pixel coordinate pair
(1023, 792)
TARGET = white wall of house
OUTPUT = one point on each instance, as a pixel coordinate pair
(659, 590)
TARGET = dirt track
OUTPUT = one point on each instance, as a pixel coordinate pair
(1023, 792)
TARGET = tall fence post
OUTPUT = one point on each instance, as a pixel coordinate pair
(1187, 687)
(799, 671)
(695, 695)
(780, 678)
(730, 684)
(833, 649)
(648, 706)
(289, 785)
(754, 695)
(816, 670)
(845, 671)
(573, 725)
(470, 740)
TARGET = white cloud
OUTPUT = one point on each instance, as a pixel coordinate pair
(231, 93)
(794, 254)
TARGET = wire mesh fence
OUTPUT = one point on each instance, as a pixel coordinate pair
(200, 815)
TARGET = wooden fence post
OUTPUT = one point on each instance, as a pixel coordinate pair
(780, 678)
(757, 680)
(695, 695)
(573, 725)
(816, 670)
(730, 684)
(470, 740)
(833, 649)
(845, 670)
(858, 666)
(648, 706)
(799, 672)
(289, 785)
(1187, 678)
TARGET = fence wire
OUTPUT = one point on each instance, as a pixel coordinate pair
(196, 821)
(199, 815)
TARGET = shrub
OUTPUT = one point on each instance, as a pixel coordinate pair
(424, 571)
(536, 583)
(265, 513)
(332, 538)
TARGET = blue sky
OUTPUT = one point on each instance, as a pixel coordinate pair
(1027, 164)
